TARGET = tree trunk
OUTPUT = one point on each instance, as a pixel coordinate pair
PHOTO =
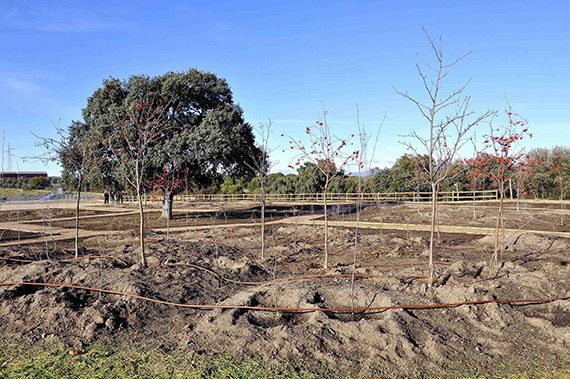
(167, 205)
(141, 215)
(437, 213)
(474, 206)
(432, 233)
(77, 219)
(495, 258)
(326, 229)
(262, 222)
(141, 229)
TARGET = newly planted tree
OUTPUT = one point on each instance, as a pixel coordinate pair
(503, 160)
(260, 164)
(329, 157)
(72, 149)
(449, 121)
(137, 129)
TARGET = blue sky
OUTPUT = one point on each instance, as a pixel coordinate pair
(282, 59)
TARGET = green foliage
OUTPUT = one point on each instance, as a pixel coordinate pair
(202, 133)
(229, 186)
(39, 182)
(551, 179)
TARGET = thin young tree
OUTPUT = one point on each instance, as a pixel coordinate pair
(449, 121)
(71, 149)
(329, 156)
(503, 161)
(138, 127)
(261, 165)
(363, 164)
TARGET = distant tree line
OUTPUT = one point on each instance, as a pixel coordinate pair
(37, 182)
(549, 179)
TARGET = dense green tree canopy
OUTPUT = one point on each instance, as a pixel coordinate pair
(199, 133)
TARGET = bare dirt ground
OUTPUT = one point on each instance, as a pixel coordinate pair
(222, 266)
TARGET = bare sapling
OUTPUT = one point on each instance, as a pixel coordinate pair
(363, 165)
(449, 121)
(329, 156)
(260, 165)
(72, 150)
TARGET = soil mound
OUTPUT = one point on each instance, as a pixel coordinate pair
(385, 342)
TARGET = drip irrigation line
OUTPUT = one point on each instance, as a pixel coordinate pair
(282, 309)
(17, 260)
(407, 264)
(376, 253)
(275, 280)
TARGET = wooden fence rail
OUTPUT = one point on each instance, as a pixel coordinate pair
(332, 197)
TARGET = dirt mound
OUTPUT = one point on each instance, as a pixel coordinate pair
(207, 271)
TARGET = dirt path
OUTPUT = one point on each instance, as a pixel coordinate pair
(62, 234)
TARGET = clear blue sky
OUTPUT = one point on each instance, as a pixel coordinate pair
(282, 59)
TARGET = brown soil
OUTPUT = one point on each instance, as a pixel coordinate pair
(448, 342)
(527, 218)
(184, 219)
(10, 235)
(40, 214)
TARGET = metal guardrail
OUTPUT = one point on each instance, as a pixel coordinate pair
(332, 197)
(48, 198)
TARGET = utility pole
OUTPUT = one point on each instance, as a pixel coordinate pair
(10, 155)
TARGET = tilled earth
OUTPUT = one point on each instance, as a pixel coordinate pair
(211, 268)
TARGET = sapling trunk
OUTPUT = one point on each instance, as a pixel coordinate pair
(326, 228)
(432, 234)
(141, 215)
(263, 225)
(79, 185)
(141, 229)
(495, 258)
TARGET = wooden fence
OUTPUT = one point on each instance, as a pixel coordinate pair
(331, 197)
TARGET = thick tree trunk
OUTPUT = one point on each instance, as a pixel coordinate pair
(167, 205)
(77, 219)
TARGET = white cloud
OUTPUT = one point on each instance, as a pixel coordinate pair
(25, 87)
